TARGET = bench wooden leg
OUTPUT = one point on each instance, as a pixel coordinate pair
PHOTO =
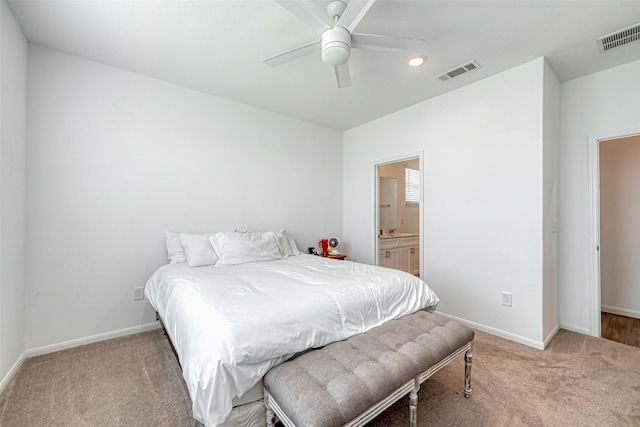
(468, 356)
(413, 403)
(270, 418)
(270, 414)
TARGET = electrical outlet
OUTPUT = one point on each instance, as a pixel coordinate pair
(138, 294)
(506, 299)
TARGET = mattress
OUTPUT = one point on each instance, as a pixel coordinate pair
(231, 324)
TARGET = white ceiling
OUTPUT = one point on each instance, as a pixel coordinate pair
(217, 47)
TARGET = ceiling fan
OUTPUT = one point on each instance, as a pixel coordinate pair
(336, 41)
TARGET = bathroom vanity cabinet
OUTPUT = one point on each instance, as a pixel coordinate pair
(401, 252)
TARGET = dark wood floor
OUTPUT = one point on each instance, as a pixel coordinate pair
(621, 329)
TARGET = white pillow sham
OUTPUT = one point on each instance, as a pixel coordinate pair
(293, 246)
(198, 250)
(287, 244)
(233, 248)
(175, 250)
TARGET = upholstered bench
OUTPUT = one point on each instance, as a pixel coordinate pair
(350, 382)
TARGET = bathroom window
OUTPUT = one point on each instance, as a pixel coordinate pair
(411, 186)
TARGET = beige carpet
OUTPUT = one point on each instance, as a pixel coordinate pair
(136, 381)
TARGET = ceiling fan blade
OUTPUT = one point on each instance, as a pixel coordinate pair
(342, 75)
(353, 14)
(387, 43)
(304, 13)
(288, 56)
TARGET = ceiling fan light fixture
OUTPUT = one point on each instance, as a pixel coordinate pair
(336, 46)
(417, 61)
(337, 40)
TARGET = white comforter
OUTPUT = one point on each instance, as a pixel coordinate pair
(231, 324)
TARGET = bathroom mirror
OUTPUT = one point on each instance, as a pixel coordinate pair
(388, 203)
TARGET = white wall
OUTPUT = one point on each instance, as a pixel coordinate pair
(115, 158)
(620, 225)
(13, 139)
(597, 105)
(483, 193)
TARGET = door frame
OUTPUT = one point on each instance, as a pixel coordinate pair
(376, 203)
(595, 283)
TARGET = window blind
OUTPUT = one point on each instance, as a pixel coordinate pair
(411, 186)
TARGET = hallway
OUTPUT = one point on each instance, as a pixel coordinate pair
(621, 329)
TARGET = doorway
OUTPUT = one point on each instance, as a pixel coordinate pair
(619, 236)
(398, 212)
(615, 239)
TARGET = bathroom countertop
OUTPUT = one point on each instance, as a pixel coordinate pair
(398, 235)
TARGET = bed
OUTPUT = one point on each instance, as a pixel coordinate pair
(256, 302)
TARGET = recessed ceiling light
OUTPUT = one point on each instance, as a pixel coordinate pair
(417, 61)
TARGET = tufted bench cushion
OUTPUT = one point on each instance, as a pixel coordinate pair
(366, 373)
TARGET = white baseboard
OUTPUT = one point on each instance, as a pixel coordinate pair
(91, 339)
(620, 311)
(12, 372)
(500, 333)
(552, 334)
(574, 328)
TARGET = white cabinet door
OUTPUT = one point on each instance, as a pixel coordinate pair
(388, 258)
(401, 254)
(414, 261)
(404, 259)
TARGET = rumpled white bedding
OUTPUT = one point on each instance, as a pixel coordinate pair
(231, 324)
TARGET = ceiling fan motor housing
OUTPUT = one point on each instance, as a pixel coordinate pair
(336, 41)
(336, 46)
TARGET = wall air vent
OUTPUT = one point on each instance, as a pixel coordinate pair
(463, 69)
(619, 38)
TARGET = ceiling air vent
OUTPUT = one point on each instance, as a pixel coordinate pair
(619, 38)
(458, 71)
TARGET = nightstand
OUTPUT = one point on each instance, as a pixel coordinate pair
(341, 257)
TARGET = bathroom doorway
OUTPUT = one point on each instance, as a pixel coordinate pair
(620, 239)
(609, 280)
(399, 214)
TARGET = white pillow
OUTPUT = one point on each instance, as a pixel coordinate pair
(198, 249)
(283, 242)
(175, 251)
(287, 244)
(235, 248)
(292, 245)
